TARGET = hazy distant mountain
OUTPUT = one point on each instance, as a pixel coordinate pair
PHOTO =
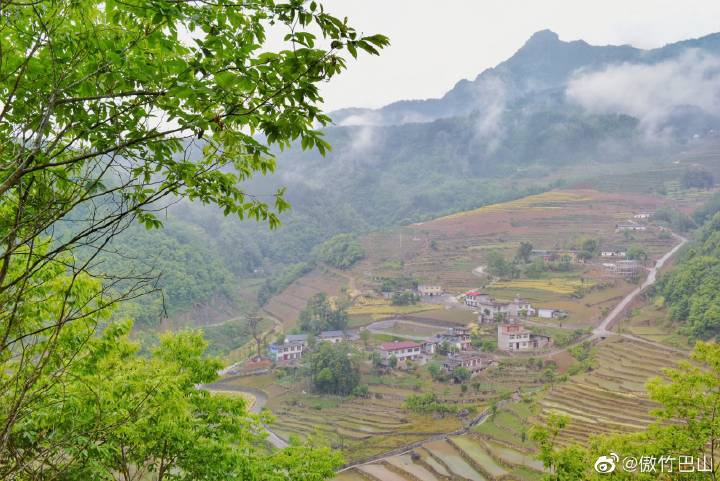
(544, 63)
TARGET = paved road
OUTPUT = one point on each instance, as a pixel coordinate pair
(260, 402)
(602, 329)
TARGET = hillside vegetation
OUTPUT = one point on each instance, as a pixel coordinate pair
(691, 291)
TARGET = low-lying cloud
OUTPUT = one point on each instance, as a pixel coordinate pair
(491, 101)
(651, 93)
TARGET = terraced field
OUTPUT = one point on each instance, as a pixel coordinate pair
(611, 398)
(496, 449)
(287, 305)
(362, 427)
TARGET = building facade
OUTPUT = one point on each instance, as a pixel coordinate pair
(514, 337)
(401, 350)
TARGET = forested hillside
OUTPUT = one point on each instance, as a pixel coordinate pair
(691, 291)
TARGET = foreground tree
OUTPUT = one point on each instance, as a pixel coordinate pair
(686, 426)
(109, 112)
(106, 413)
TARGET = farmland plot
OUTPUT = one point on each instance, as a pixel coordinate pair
(611, 398)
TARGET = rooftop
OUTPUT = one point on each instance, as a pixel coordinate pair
(296, 337)
(333, 334)
(397, 345)
(475, 293)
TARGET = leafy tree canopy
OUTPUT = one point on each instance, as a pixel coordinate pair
(691, 291)
(341, 251)
(319, 315)
(110, 112)
(334, 368)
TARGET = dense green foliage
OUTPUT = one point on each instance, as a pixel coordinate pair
(499, 266)
(227, 336)
(334, 368)
(674, 219)
(320, 315)
(112, 112)
(341, 251)
(394, 284)
(191, 271)
(691, 291)
(102, 410)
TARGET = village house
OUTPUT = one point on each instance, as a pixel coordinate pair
(429, 346)
(472, 361)
(514, 337)
(551, 313)
(401, 350)
(288, 350)
(334, 336)
(613, 252)
(630, 226)
(430, 291)
(491, 309)
(295, 345)
(643, 215)
(457, 337)
(475, 298)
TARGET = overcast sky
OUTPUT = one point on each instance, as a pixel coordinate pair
(436, 43)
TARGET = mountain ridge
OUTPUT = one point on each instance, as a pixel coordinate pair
(533, 67)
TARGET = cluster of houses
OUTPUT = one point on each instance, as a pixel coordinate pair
(492, 310)
(457, 339)
(294, 345)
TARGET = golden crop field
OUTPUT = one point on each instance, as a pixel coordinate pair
(381, 308)
(544, 201)
(556, 285)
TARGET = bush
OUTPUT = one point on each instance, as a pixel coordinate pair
(361, 391)
(427, 403)
(405, 298)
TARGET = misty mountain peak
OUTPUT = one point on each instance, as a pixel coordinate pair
(543, 38)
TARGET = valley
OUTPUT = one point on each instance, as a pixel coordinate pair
(594, 374)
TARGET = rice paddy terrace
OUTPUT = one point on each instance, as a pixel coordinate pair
(612, 397)
(486, 453)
